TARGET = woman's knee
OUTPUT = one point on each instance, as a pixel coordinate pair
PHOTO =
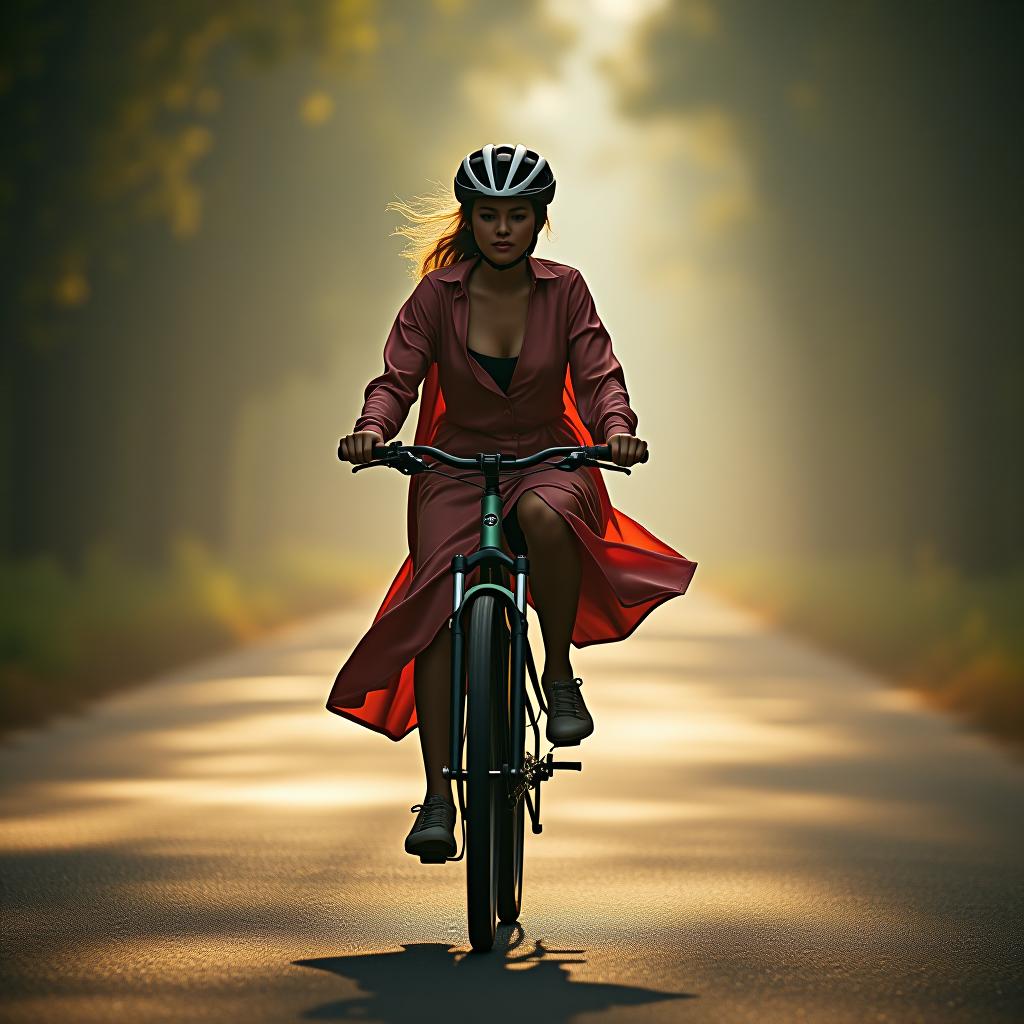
(539, 521)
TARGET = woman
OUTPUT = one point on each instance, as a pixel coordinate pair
(513, 358)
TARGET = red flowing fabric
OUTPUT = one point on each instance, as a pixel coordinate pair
(626, 573)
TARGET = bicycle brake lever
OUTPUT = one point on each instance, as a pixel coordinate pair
(573, 462)
(405, 462)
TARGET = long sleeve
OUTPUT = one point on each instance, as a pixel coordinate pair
(409, 350)
(597, 378)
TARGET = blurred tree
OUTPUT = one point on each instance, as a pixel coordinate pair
(119, 118)
(889, 171)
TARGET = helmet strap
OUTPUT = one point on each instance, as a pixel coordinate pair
(505, 266)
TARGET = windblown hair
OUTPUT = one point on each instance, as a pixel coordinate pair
(439, 231)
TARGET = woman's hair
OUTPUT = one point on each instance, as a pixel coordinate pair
(439, 230)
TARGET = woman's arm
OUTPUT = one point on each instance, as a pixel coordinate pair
(597, 378)
(408, 352)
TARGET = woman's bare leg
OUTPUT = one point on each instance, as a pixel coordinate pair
(554, 580)
(433, 710)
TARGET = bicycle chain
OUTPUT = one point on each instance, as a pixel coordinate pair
(532, 768)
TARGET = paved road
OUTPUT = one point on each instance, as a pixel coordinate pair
(760, 833)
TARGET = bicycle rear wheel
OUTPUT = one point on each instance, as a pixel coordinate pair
(484, 791)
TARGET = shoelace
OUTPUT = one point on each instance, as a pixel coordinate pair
(436, 811)
(565, 697)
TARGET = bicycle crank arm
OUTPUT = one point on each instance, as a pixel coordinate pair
(533, 771)
(549, 765)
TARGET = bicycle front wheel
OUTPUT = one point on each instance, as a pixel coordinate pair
(511, 813)
(483, 756)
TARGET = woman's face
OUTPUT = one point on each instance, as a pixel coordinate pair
(503, 228)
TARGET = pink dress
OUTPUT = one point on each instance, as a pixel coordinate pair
(567, 388)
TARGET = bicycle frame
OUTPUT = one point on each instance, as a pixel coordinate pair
(492, 560)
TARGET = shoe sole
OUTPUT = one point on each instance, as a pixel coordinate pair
(569, 743)
(433, 851)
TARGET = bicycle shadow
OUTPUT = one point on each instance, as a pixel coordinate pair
(403, 985)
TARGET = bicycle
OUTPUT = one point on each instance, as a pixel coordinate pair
(490, 655)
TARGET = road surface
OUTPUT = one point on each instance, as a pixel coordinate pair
(761, 832)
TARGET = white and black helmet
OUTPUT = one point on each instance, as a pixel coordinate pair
(504, 172)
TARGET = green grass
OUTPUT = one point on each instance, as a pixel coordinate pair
(956, 639)
(66, 638)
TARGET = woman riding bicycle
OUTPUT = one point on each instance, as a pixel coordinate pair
(513, 358)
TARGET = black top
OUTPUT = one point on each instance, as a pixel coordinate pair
(499, 367)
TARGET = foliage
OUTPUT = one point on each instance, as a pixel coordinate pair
(66, 637)
(956, 639)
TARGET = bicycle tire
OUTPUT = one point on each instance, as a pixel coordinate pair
(483, 754)
(511, 817)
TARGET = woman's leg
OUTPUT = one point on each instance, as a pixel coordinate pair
(555, 586)
(433, 709)
(554, 580)
(433, 704)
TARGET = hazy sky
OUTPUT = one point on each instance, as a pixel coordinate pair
(800, 224)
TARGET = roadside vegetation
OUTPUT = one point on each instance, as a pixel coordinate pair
(69, 637)
(66, 638)
(955, 639)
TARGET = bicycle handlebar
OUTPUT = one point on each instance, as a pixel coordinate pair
(597, 451)
(406, 458)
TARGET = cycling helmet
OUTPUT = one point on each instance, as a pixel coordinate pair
(505, 172)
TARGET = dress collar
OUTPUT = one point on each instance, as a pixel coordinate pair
(460, 271)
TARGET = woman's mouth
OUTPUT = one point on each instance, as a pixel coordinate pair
(502, 245)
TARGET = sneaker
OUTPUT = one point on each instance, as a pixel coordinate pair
(432, 836)
(569, 720)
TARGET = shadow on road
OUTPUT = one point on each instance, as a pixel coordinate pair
(501, 986)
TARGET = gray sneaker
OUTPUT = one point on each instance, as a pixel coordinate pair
(432, 836)
(569, 720)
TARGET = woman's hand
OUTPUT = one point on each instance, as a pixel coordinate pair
(358, 447)
(626, 449)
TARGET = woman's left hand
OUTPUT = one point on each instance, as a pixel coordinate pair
(626, 449)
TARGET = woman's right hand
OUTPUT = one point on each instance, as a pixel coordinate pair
(358, 447)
